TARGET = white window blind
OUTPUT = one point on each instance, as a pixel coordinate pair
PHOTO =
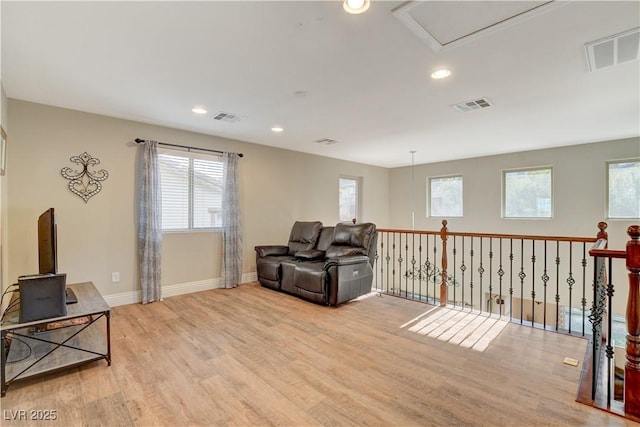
(623, 195)
(349, 199)
(445, 198)
(191, 190)
(527, 193)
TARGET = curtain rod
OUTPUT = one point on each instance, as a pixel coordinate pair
(140, 140)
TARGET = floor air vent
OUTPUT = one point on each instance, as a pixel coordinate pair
(613, 50)
(476, 104)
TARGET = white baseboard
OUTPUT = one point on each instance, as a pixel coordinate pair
(135, 297)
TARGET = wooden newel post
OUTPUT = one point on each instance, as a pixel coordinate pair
(632, 367)
(602, 234)
(443, 284)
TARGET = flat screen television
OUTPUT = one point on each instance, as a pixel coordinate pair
(47, 257)
(47, 249)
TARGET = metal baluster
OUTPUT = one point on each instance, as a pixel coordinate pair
(454, 271)
(462, 269)
(435, 267)
(609, 349)
(420, 266)
(427, 269)
(375, 264)
(387, 258)
(510, 280)
(471, 269)
(570, 281)
(522, 275)
(557, 285)
(584, 285)
(413, 265)
(393, 272)
(545, 280)
(481, 271)
(597, 313)
(490, 307)
(400, 263)
(406, 260)
(533, 282)
(500, 274)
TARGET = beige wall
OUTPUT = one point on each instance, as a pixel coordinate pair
(579, 191)
(99, 237)
(4, 277)
(579, 196)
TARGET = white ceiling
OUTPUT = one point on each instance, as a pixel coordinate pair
(364, 78)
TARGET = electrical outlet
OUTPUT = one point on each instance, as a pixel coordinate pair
(115, 277)
(570, 361)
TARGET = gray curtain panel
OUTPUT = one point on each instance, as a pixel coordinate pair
(149, 224)
(231, 227)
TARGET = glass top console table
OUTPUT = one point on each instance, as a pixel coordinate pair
(36, 348)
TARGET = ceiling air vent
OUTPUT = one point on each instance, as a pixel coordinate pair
(226, 117)
(476, 104)
(613, 50)
(325, 141)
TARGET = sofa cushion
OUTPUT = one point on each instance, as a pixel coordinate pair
(361, 234)
(351, 240)
(338, 251)
(313, 254)
(304, 236)
(269, 267)
(342, 235)
(325, 239)
(310, 276)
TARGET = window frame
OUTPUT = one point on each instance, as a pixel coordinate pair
(191, 154)
(607, 213)
(358, 181)
(504, 193)
(429, 196)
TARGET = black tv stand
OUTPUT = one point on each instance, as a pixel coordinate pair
(70, 296)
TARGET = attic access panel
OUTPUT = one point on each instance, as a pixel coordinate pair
(445, 24)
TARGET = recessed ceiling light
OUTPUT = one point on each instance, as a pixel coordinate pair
(356, 6)
(277, 129)
(199, 110)
(441, 74)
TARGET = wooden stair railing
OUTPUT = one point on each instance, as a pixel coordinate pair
(632, 367)
(480, 271)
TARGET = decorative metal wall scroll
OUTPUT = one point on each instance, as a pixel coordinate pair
(84, 183)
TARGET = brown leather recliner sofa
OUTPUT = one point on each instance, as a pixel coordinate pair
(326, 265)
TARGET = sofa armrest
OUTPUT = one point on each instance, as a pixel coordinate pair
(310, 255)
(346, 260)
(271, 250)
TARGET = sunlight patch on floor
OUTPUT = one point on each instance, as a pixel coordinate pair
(467, 329)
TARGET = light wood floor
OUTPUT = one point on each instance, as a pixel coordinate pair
(252, 356)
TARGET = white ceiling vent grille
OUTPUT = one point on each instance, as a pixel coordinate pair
(476, 104)
(226, 117)
(613, 50)
(326, 141)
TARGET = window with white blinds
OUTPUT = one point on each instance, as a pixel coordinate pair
(349, 198)
(527, 193)
(191, 190)
(623, 183)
